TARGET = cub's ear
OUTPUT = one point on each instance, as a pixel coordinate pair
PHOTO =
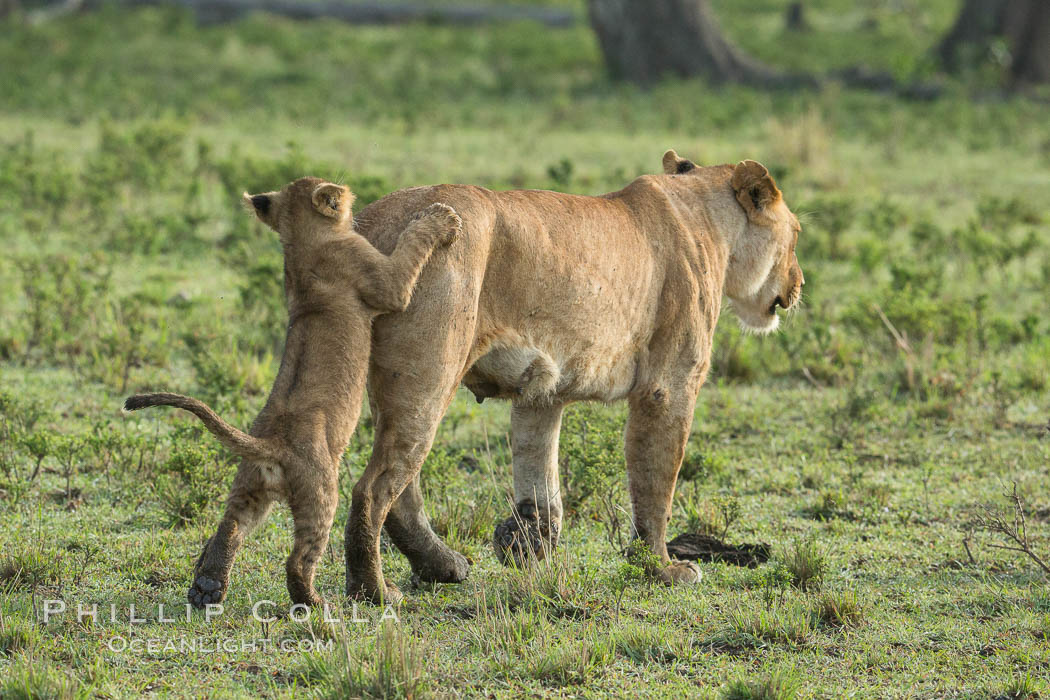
(333, 201)
(259, 204)
(754, 187)
(673, 165)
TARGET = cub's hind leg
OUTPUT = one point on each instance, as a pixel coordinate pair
(312, 496)
(246, 507)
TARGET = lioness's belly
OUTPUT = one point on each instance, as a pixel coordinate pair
(539, 371)
(567, 305)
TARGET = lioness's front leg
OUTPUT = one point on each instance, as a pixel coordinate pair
(532, 531)
(657, 429)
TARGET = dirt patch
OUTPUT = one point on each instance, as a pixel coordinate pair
(697, 547)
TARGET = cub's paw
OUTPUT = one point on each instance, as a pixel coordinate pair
(678, 572)
(445, 220)
(206, 591)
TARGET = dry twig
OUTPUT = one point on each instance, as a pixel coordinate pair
(1015, 530)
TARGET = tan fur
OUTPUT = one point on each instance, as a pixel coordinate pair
(336, 283)
(548, 298)
(552, 298)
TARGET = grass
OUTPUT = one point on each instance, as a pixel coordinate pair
(862, 441)
(779, 685)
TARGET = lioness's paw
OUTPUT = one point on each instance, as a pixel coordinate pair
(446, 221)
(206, 591)
(312, 600)
(679, 572)
(391, 596)
(517, 541)
(451, 568)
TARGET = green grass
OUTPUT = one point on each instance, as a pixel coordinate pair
(125, 141)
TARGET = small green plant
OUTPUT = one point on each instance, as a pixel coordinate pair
(394, 669)
(32, 679)
(15, 636)
(838, 609)
(561, 172)
(591, 455)
(806, 563)
(782, 684)
(627, 574)
(191, 479)
(710, 516)
(787, 624)
(69, 451)
(39, 444)
(570, 664)
(1025, 687)
(773, 583)
(700, 465)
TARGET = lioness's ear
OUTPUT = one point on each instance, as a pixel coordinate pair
(673, 165)
(754, 186)
(332, 200)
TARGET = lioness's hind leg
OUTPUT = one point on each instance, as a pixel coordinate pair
(432, 560)
(532, 531)
(402, 441)
(392, 283)
(246, 507)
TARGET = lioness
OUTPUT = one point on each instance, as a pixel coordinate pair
(547, 298)
(335, 284)
(551, 298)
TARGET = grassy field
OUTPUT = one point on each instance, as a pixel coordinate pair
(871, 442)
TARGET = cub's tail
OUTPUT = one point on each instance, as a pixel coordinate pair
(238, 442)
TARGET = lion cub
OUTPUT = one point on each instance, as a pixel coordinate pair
(335, 283)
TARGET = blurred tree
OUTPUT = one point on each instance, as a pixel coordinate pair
(795, 17)
(1024, 25)
(644, 41)
(8, 7)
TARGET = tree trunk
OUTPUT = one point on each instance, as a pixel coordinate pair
(1031, 62)
(1024, 24)
(644, 40)
(8, 8)
(795, 17)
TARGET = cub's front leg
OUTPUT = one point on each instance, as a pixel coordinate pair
(385, 282)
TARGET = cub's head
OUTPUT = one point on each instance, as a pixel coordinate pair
(305, 211)
(763, 272)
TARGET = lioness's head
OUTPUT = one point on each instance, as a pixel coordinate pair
(763, 272)
(306, 210)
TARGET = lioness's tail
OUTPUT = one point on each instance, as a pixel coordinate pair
(238, 442)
